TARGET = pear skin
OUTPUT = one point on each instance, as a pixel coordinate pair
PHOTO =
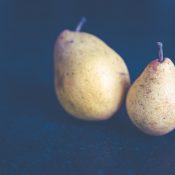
(151, 98)
(90, 78)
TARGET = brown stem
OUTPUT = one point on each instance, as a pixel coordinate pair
(80, 24)
(160, 51)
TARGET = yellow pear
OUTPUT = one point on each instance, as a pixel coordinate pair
(151, 98)
(90, 78)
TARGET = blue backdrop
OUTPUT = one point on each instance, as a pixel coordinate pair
(36, 136)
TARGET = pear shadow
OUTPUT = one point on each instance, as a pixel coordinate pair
(37, 99)
(119, 124)
(34, 98)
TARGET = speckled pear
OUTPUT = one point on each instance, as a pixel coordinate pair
(151, 99)
(90, 78)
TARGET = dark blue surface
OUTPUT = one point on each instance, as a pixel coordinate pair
(36, 136)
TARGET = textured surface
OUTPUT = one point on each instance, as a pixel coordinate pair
(90, 78)
(36, 136)
(150, 101)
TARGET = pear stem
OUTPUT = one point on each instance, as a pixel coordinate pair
(160, 51)
(80, 24)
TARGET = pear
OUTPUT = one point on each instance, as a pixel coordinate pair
(90, 78)
(150, 100)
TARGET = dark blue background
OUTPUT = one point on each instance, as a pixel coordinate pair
(36, 136)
